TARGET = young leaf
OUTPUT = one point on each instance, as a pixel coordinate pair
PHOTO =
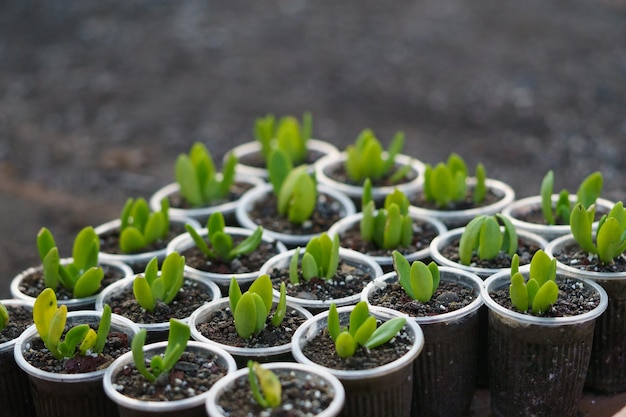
(387, 331)
(545, 297)
(103, 329)
(358, 315)
(234, 294)
(469, 239)
(138, 357)
(143, 293)
(490, 239)
(365, 330)
(89, 282)
(590, 189)
(4, 316)
(334, 327)
(421, 281)
(345, 345)
(281, 307)
(293, 267)
(518, 292)
(263, 287)
(547, 185)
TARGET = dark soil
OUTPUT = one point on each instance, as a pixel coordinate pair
(449, 296)
(575, 257)
(525, 251)
(110, 241)
(321, 350)
(242, 264)
(19, 319)
(256, 160)
(419, 200)
(33, 284)
(301, 397)
(423, 234)
(574, 299)
(219, 326)
(191, 296)
(194, 373)
(327, 212)
(176, 200)
(37, 355)
(338, 173)
(348, 280)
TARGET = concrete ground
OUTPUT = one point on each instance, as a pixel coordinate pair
(98, 98)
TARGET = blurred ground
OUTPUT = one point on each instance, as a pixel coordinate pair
(98, 98)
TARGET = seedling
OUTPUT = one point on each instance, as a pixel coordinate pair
(363, 330)
(610, 237)
(200, 182)
(418, 280)
(4, 317)
(541, 290)
(81, 339)
(447, 183)
(82, 276)
(265, 385)
(140, 227)
(366, 158)
(251, 309)
(484, 237)
(288, 134)
(587, 194)
(389, 227)
(219, 246)
(161, 364)
(150, 288)
(320, 259)
(295, 189)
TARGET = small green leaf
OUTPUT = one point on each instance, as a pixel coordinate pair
(403, 270)
(45, 242)
(51, 266)
(518, 292)
(480, 189)
(542, 267)
(270, 385)
(215, 224)
(387, 331)
(73, 338)
(263, 287)
(610, 240)
(176, 343)
(254, 386)
(509, 240)
(532, 287)
(333, 261)
(223, 245)
(358, 315)
(490, 239)
(138, 357)
(57, 324)
(185, 175)
(249, 244)
(155, 226)
(85, 249)
(88, 342)
(590, 189)
(89, 282)
(580, 226)
(293, 267)
(365, 330)
(345, 345)
(103, 329)
(43, 310)
(279, 168)
(131, 240)
(281, 307)
(234, 293)
(143, 293)
(245, 316)
(4, 317)
(393, 228)
(309, 267)
(469, 239)
(545, 297)
(200, 243)
(421, 281)
(547, 185)
(334, 327)
(366, 197)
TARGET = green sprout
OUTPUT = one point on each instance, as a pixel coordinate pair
(265, 385)
(161, 364)
(50, 322)
(541, 291)
(483, 236)
(82, 276)
(320, 259)
(588, 192)
(418, 280)
(366, 158)
(610, 237)
(4, 317)
(288, 134)
(390, 227)
(200, 183)
(251, 309)
(221, 244)
(295, 189)
(446, 183)
(140, 227)
(150, 288)
(363, 330)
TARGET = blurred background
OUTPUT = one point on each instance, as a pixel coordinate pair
(97, 98)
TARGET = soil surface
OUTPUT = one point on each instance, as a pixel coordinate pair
(98, 98)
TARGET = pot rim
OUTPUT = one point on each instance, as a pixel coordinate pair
(31, 333)
(356, 191)
(306, 331)
(511, 211)
(447, 274)
(199, 316)
(571, 271)
(444, 238)
(503, 278)
(14, 302)
(122, 285)
(160, 406)
(184, 241)
(199, 212)
(453, 216)
(132, 258)
(257, 193)
(71, 303)
(254, 146)
(333, 409)
(345, 254)
(348, 221)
